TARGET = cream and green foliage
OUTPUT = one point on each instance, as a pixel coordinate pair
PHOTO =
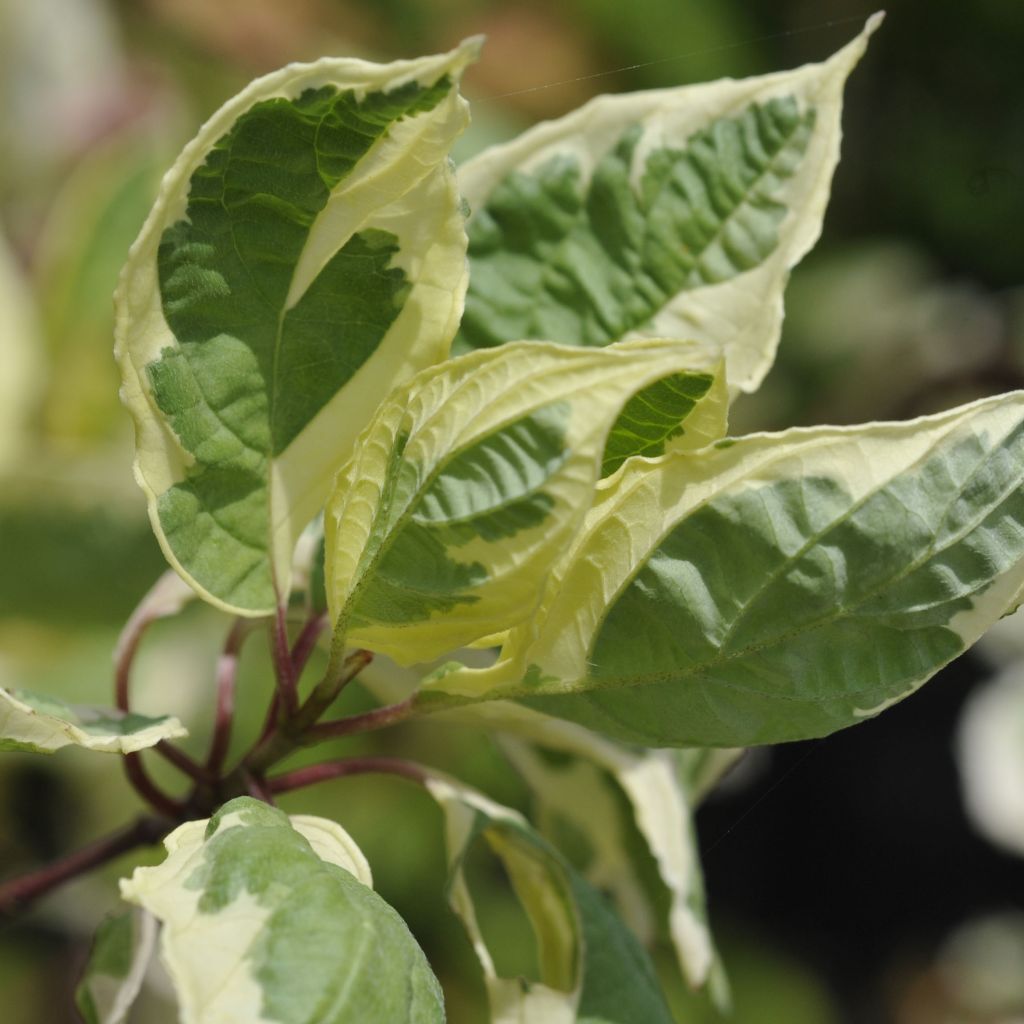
(778, 586)
(305, 253)
(120, 955)
(469, 482)
(593, 969)
(562, 487)
(668, 213)
(580, 792)
(34, 722)
(611, 797)
(273, 920)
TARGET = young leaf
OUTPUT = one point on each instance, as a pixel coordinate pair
(466, 487)
(121, 952)
(792, 584)
(662, 788)
(668, 213)
(306, 252)
(270, 920)
(579, 793)
(592, 967)
(34, 722)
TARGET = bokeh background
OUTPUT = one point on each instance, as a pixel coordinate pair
(876, 877)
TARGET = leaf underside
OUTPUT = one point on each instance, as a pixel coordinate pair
(41, 724)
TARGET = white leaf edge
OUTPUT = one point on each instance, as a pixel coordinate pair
(161, 890)
(141, 332)
(45, 733)
(747, 309)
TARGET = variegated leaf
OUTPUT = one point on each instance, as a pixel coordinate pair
(121, 952)
(306, 252)
(669, 213)
(271, 920)
(34, 722)
(592, 968)
(468, 484)
(790, 585)
(662, 789)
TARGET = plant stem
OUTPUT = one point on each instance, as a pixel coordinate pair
(125, 650)
(227, 673)
(148, 790)
(124, 657)
(326, 691)
(327, 770)
(378, 718)
(176, 756)
(283, 668)
(18, 893)
(306, 642)
(257, 787)
(280, 739)
(270, 722)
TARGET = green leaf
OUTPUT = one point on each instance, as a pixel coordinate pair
(682, 412)
(592, 968)
(669, 213)
(466, 487)
(792, 584)
(305, 254)
(34, 722)
(121, 952)
(273, 920)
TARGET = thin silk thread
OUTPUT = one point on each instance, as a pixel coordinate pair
(689, 53)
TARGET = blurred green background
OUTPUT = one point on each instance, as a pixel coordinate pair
(845, 881)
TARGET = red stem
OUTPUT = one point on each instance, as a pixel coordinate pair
(306, 642)
(327, 690)
(176, 756)
(16, 894)
(257, 787)
(124, 654)
(227, 673)
(147, 789)
(327, 770)
(124, 657)
(286, 685)
(378, 718)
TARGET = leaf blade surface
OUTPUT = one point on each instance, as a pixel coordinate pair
(801, 582)
(467, 485)
(668, 213)
(305, 253)
(266, 919)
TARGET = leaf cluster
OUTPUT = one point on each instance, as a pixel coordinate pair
(406, 411)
